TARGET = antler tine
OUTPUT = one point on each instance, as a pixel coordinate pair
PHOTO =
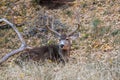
(47, 26)
(71, 33)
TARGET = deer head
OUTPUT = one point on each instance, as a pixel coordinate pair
(64, 41)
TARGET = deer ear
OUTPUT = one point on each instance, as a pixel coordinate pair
(75, 36)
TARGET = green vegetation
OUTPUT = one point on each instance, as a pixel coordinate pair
(95, 54)
(95, 23)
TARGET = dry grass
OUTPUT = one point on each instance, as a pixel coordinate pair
(103, 69)
(95, 54)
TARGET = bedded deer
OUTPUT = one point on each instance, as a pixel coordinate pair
(56, 52)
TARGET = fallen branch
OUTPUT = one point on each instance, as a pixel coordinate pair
(7, 26)
(60, 2)
(21, 48)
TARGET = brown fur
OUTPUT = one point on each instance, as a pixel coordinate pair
(44, 52)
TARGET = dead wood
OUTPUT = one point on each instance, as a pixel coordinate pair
(21, 48)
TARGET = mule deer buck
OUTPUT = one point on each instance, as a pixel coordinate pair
(58, 52)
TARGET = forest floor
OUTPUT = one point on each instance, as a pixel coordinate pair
(95, 54)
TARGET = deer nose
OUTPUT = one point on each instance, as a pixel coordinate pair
(61, 45)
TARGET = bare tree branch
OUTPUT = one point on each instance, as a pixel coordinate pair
(7, 26)
(23, 44)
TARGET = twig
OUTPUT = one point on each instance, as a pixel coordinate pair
(62, 2)
(6, 26)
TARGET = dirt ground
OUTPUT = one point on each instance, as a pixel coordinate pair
(95, 54)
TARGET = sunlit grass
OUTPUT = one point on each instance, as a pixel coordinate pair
(91, 70)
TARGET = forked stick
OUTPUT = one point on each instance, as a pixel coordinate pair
(21, 48)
